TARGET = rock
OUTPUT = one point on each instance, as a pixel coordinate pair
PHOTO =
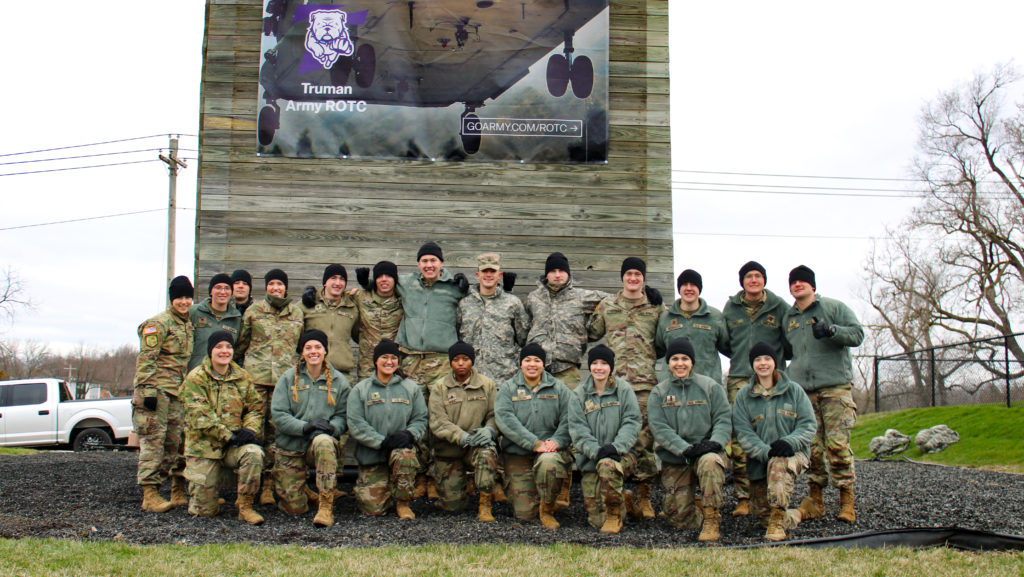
(891, 443)
(935, 439)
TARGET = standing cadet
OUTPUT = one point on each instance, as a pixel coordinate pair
(216, 312)
(820, 332)
(386, 416)
(628, 321)
(165, 345)
(380, 311)
(752, 315)
(774, 422)
(334, 312)
(309, 414)
(464, 432)
(691, 317)
(270, 332)
(241, 288)
(532, 413)
(605, 421)
(691, 422)
(224, 413)
(493, 321)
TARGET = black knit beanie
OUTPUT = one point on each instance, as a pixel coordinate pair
(180, 287)
(603, 353)
(533, 350)
(385, 267)
(461, 348)
(220, 336)
(760, 349)
(752, 265)
(332, 270)
(633, 263)
(690, 276)
(312, 335)
(681, 346)
(241, 275)
(384, 347)
(556, 260)
(430, 248)
(219, 278)
(802, 273)
(276, 274)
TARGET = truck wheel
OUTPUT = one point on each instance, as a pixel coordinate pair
(91, 439)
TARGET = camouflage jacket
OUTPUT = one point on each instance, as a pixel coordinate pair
(629, 329)
(428, 324)
(758, 420)
(267, 341)
(216, 406)
(525, 416)
(819, 363)
(165, 345)
(558, 322)
(376, 409)
(456, 410)
(497, 327)
(297, 401)
(610, 418)
(682, 412)
(379, 319)
(205, 323)
(707, 332)
(340, 323)
(745, 332)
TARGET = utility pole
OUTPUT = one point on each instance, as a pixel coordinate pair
(172, 169)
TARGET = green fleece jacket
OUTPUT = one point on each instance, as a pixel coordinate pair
(610, 418)
(205, 322)
(759, 420)
(682, 412)
(428, 324)
(376, 409)
(745, 332)
(707, 332)
(296, 402)
(525, 416)
(820, 363)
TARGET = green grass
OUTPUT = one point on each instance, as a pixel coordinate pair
(31, 557)
(16, 451)
(991, 436)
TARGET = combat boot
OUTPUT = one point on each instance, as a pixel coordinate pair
(245, 512)
(470, 485)
(547, 516)
(742, 508)
(612, 520)
(312, 497)
(484, 514)
(846, 512)
(432, 489)
(634, 512)
(709, 531)
(178, 496)
(325, 514)
(498, 493)
(421, 487)
(562, 501)
(813, 505)
(267, 494)
(152, 501)
(643, 496)
(776, 531)
(403, 510)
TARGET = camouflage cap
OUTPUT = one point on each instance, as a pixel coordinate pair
(488, 261)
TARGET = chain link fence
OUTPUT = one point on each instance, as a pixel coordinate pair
(969, 373)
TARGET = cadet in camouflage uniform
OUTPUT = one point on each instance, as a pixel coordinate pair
(380, 311)
(605, 421)
(493, 321)
(386, 416)
(308, 410)
(691, 422)
(224, 414)
(165, 345)
(334, 312)
(628, 322)
(532, 413)
(820, 332)
(558, 318)
(216, 312)
(270, 331)
(464, 432)
(774, 422)
(754, 314)
(691, 317)
(241, 289)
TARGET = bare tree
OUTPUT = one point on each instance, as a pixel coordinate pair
(12, 294)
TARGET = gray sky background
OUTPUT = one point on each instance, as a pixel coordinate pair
(788, 88)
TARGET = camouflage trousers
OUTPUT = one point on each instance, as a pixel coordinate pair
(603, 487)
(292, 467)
(424, 368)
(161, 436)
(836, 414)
(570, 376)
(776, 490)
(740, 481)
(377, 484)
(450, 476)
(269, 430)
(646, 468)
(681, 483)
(204, 477)
(531, 479)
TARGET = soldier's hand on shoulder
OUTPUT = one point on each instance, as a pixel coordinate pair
(508, 280)
(363, 277)
(653, 295)
(461, 282)
(309, 297)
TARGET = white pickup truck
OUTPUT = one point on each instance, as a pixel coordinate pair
(43, 412)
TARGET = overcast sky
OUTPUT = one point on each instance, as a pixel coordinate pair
(785, 88)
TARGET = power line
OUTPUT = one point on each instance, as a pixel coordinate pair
(80, 167)
(785, 236)
(92, 155)
(797, 193)
(88, 218)
(93, 144)
(797, 175)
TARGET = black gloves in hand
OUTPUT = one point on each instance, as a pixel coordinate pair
(308, 428)
(363, 277)
(508, 280)
(712, 447)
(461, 282)
(608, 452)
(309, 297)
(701, 448)
(780, 448)
(149, 403)
(398, 440)
(241, 437)
(653, 295)
(693, 451)
(821, 330)
(323, 425)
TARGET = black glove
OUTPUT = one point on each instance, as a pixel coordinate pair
(608, 452)
(363, 277)
(323, 425)
(309, 297)
(405, 440)
(308, 428)
(241, 437)
(508, 280)
(653, 295)
(461, 282)
(693, 451)
(711, 447)
(149, 403)
(780, 448)
(821, 330)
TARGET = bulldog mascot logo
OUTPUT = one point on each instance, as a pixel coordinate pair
(327, 37)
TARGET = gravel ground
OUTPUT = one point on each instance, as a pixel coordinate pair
(93, 496)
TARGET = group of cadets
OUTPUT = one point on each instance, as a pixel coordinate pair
(464, 390)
